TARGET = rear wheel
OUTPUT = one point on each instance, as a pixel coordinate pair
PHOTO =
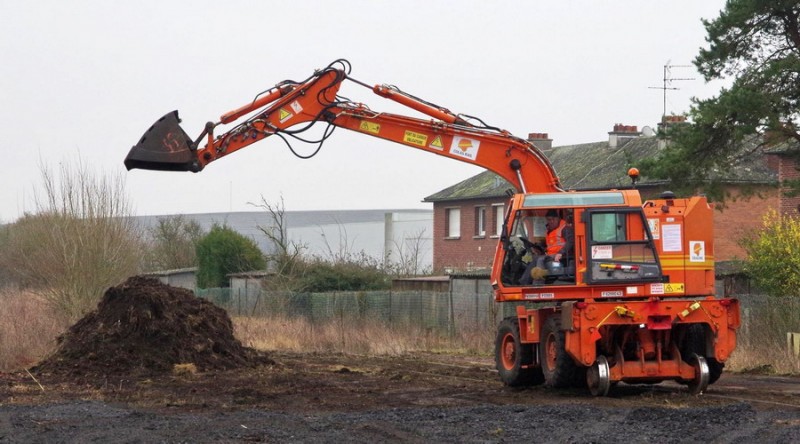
(559, 369)
(511, 355)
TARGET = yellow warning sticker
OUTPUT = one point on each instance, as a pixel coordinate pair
(673, 288)
(668, 288)
(437, 143)
(370, 127)
(284, 115)
(415, 138)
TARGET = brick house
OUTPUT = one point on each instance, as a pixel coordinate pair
(468, 215)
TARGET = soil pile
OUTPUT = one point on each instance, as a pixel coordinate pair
(145, 327)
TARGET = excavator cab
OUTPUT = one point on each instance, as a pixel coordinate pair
(165, 146)
(606, 241)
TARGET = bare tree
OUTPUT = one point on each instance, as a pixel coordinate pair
(288, 254)
(80, 241)
(345, 248)
(409, 253)
(173, 242)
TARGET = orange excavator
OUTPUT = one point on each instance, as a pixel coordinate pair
(632, 299)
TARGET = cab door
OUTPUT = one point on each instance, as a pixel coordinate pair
(619, 247)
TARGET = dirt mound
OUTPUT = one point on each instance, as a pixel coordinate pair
(143, 327)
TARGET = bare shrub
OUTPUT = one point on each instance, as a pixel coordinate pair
(80, 241)
(339, 270)
(28, 329)
(410, 253)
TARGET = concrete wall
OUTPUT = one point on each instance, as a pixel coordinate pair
(183, 278)
(246, 286)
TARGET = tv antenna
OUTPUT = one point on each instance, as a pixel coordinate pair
(667, 85)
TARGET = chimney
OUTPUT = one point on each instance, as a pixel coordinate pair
(671, 120)
(774, 137)
(622, 134)
(668, 122)
(541, 141)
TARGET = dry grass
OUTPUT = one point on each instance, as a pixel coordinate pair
(762, 346)
(354, 336)
(763, 349)
(375, 338)
(28, 328)
(772, 359)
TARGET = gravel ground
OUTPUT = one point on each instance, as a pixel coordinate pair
(95, 421)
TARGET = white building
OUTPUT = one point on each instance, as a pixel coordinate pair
(402, 236)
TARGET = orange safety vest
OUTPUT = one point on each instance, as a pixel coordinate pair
(555, 241)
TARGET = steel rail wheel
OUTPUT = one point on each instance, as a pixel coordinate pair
(702, 374)
(598, 377)
(695, 342)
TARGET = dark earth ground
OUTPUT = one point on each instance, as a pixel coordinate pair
(427, 398)
(113, 379)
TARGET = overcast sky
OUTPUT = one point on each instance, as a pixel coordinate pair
(85, 79)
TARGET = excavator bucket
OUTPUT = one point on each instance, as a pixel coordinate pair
(163, 147)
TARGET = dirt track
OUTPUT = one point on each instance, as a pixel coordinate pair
(335, 398)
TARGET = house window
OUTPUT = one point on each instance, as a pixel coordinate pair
(453, 221)
(480, 221)
(499, 215)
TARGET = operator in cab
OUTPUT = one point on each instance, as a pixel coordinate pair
(559, 243)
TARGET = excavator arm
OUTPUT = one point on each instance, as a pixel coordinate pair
(291, 107)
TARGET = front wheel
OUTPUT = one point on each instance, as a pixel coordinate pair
(513, 358)
(598, 377)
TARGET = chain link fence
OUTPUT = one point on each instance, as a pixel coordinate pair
(768, 319)
(765, 319)
(443, 311)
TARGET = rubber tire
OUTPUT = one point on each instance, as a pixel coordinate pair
(558, 367)
(509, 366)
(695, 342)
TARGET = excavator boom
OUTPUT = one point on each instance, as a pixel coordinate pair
(292, 107)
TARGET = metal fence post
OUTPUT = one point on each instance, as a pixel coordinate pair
(452, 314)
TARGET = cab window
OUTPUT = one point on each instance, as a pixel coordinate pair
(620, 247)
